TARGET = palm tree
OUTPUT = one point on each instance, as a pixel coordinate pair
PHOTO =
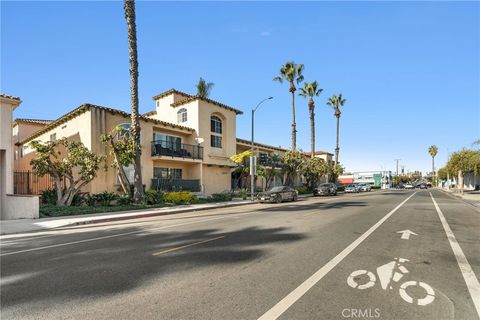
(129, 7)
(292, 73)
(433, 150)
(335, 102)
(204, 88)
(310, 90)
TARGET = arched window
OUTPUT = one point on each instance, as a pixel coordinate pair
(182, 115)
(215, 124)
(216, 129)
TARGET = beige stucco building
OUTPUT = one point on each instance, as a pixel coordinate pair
(11, 206)
(187, 142)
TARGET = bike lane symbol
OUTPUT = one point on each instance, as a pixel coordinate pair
(389, 273)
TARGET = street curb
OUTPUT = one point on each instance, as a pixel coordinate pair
(154, 214)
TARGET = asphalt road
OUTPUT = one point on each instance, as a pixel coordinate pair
(319, 258)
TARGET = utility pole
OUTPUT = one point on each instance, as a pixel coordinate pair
(397, 167)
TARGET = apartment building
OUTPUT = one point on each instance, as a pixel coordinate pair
(186, 141)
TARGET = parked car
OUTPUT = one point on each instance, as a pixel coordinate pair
(422, 186)
(365, 187)
(409, 186)
(325, 189)
(352, 188)
(278, 194)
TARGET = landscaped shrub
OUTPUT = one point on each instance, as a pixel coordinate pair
(49, 196)
(124, 200)
(153, 197)
(181, 197)
(220, 197)
(103, 199)
(303, 190)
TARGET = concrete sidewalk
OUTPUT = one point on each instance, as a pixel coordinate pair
(472, 197)
(29, 225)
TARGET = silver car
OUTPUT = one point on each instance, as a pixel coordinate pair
(365, 187)
(352, 188)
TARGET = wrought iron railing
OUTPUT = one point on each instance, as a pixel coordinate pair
(161, 184)
(174, 149)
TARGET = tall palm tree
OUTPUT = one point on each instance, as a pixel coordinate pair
(204, 88)
(310, 89)
(336, 102)
(433, 150)
(129, 8)
(292, 73)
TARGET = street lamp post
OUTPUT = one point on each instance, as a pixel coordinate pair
(252, 159)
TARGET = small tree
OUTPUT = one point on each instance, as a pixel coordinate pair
(122, 150)
(462, 162)
(242, 165)
(335, 170)
(66, 160)
(313, 169)
(276, 163)
(293, 161)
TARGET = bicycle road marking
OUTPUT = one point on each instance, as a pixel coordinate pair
(282, 306)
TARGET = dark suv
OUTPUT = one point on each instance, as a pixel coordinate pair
(325, 189)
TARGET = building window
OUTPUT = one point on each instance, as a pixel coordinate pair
(53, 137)
(167, 141)
(216, 141)
(215, 124)
(182, 115)
(216, 127)
(167, 173)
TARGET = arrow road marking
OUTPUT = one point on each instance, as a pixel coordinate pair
(406, 234)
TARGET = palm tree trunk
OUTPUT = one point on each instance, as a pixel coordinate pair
(433, 170)
(294, 125)
(311, 108)
(337, 149)
(129, 7)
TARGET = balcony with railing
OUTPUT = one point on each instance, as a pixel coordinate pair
(175, 149)
(162, 184)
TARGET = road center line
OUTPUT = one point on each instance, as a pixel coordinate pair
(296, 294)
(185, 246)
(470, 279)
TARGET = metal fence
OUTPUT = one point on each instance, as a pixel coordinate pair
(28, 182)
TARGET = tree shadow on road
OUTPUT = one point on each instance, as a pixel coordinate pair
(119, 264)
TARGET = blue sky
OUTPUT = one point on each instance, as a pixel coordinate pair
(410, 71)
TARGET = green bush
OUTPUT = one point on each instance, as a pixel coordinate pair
(303, 190)
(181, 197)
(103, 199)
(124, 200)
(49, 196)
(153, 197)
(375, 187)
(220, 197)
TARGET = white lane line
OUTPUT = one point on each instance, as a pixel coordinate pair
(470, 279)
(118, 235)
(296, 294)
